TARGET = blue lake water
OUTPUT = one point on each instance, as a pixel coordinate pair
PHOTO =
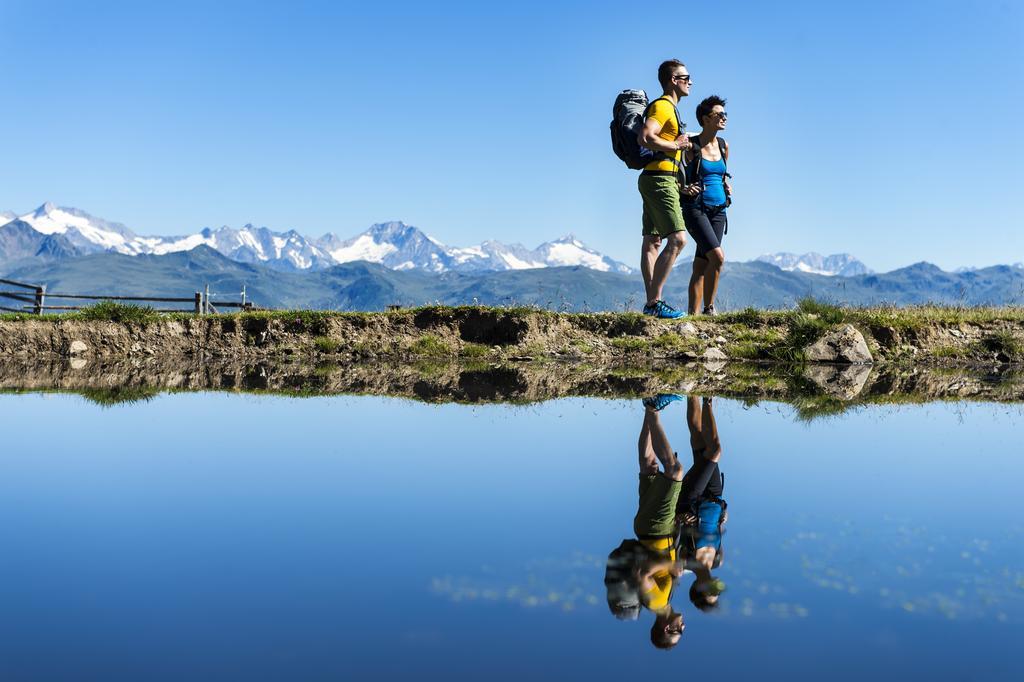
(226, 536)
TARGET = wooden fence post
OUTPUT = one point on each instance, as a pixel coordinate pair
(40, 299)
(199, 303)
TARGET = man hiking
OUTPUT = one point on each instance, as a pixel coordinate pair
(663, 133)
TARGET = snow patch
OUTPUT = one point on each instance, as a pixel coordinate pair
(363, 248)
(519, 264)
(571, 254)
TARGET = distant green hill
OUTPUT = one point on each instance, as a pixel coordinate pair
(366, 286)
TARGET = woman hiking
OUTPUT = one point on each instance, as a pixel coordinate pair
(705, 202)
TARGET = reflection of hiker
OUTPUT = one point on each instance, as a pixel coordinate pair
(663, 133)
(642, 572)
(701, 507)
(705, 214)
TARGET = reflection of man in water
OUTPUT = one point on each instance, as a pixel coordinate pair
(701, 507)
(655, 524)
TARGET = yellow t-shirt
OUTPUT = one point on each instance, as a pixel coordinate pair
(664, 113)
(658, 596)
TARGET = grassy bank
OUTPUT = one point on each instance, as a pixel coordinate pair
(925, 334)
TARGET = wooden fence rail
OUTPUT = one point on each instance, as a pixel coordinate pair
(36, 295)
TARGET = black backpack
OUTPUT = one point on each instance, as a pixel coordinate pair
(628, 115)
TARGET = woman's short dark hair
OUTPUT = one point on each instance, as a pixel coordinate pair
(665, 72)
(706, 105)
(701, 599)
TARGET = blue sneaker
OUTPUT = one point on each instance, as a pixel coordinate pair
(665, 311)
(649, 309)
(661, 401)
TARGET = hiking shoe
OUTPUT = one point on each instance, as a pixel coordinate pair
(649, 308)
(661, 401)
(710, 310)
(664, 311)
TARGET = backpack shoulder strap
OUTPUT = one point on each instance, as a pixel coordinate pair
(650, 105)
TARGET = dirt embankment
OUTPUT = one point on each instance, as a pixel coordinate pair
(499, 335)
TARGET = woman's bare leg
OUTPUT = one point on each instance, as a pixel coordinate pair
(696, 289)
(713, 270)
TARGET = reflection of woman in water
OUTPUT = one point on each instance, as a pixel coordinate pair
(701, 507)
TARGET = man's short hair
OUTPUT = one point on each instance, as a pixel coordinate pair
(661, 639)
(666, 70)
(706, 105)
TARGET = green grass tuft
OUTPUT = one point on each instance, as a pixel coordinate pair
(826, 312)
(430, 345)
(631, 344)
(111, 311)
(1003, 341)
(474, 350)
(325, 344)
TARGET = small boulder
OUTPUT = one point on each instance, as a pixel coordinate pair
(685, 329)
(77, 347)
(714, 355)
(843, 345)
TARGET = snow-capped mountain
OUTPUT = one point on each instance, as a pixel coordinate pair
(836, 265)
(87, 233)
(973, 268)
(19, 241)
(394, 245)
(7, 216)
(403, 247)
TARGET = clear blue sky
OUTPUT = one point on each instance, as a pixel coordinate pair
(889, 130)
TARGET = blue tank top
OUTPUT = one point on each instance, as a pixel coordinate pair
(712, 173)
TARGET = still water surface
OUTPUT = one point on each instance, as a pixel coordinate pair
(216, 536)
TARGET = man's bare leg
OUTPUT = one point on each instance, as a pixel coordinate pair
(648, 460)
(674, 244)
(648, 256)
(662, 448)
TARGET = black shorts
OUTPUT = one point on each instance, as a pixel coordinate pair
(706, 225)
(704, 479)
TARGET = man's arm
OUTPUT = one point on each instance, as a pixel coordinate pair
(649, 138)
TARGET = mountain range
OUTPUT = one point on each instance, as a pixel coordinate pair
(394, 244)
(840, 264)
(360, 285)
(397, 264)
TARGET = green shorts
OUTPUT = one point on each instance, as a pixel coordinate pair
(662, 212)
(656, 513)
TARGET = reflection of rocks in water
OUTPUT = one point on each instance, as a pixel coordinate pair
(839, 381)
(844, 345)
(493, 382)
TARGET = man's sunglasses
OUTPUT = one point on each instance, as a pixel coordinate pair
(685, 79)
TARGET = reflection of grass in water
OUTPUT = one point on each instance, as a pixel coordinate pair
(120, 395)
